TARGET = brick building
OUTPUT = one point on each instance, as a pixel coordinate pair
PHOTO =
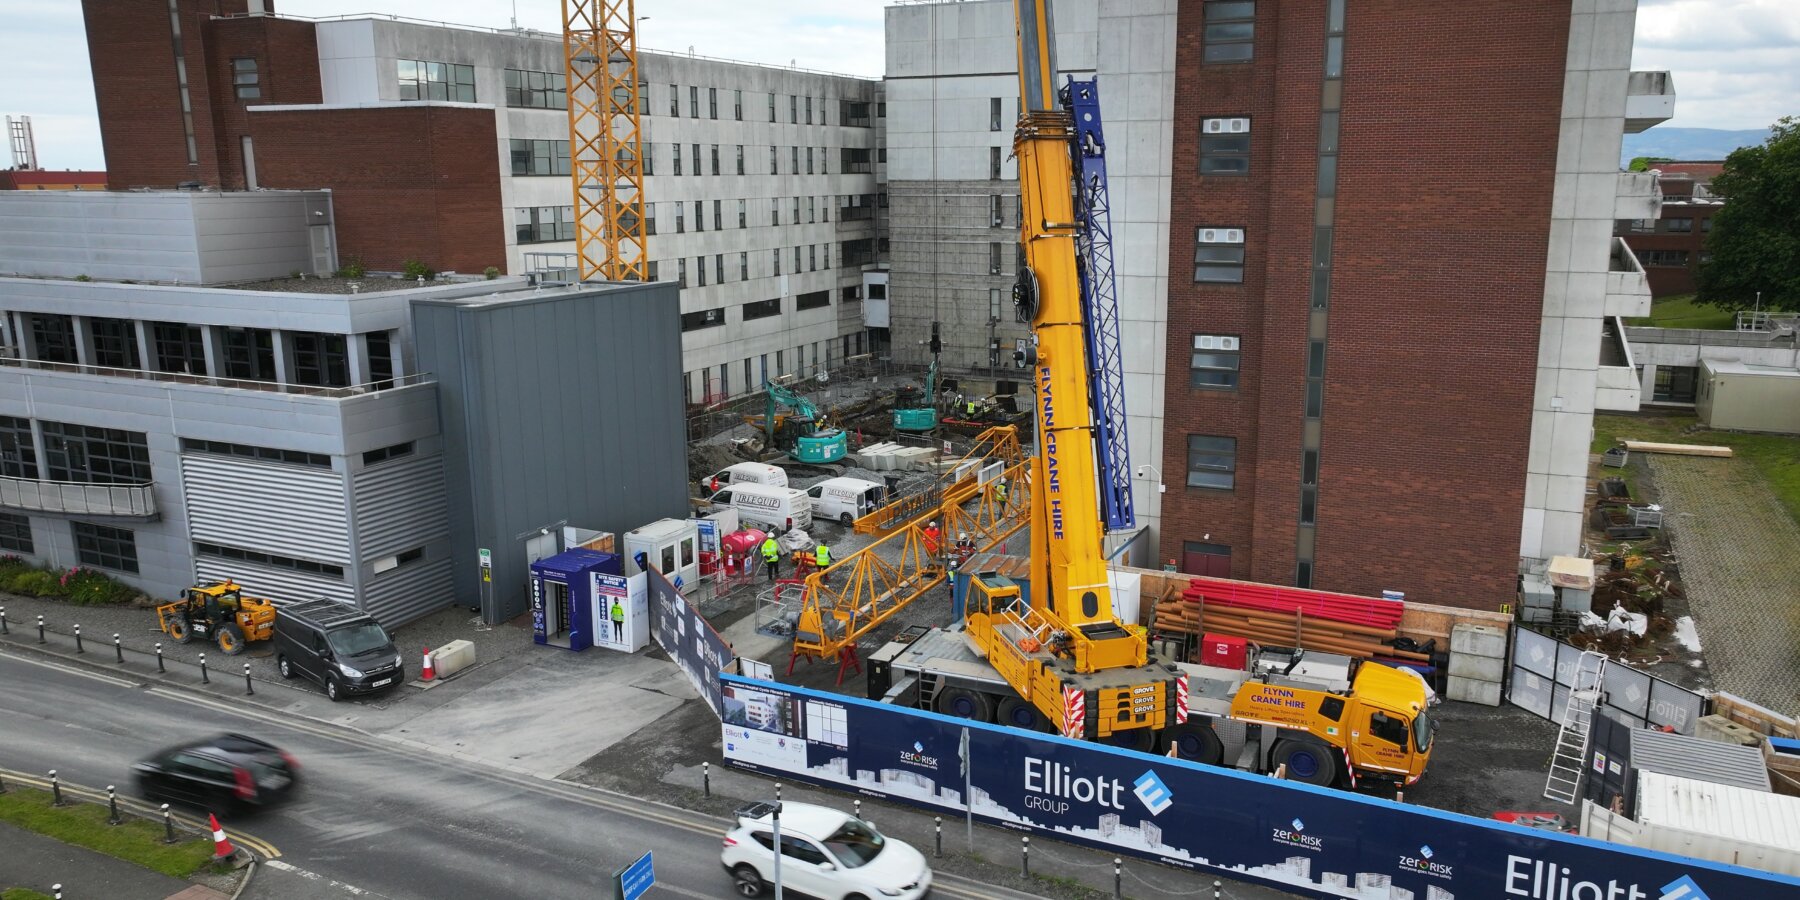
(1672, 246)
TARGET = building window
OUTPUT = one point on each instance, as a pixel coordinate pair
(794, 159)
(771, 107)
(538, 224)
(993, 257)
(718, 217)
(813, 300)
(712, 102)
(744, 266)
(995, 217)
(737, 107)
(1637, 226)
(179, 348)
(702, 319)
(1706, 227)
(1212, 462)
(320, 359)
(740, 159)
(856, 161)
(263, 454)
(715, 159)
(1225, 146)
(538, 90)
(677, 161)
(1674, 384)
(699, 215)
(1219, 256)
(249, 354)
(993, 163)
(993, 113)
(1214, 365)
(774, 161)
(531, 157)
(719, 267)
(1663, 257)
(762, 309)
(693, 102)
(115, 343)
(421, 80)
(18, 454)
(1682, 225)
(1230, 30)
(95, 455)
(643, 98)
(680, 218)
(809, 160)
(812, 210)
(793, 109)
(246, 79)
(824, 162)
(743, 213)
(697, 159)
(221, 551)
(700, 271)
(371, 457)
(681, 270)
(108, 548)
(15, 533)
(54, 337)
(674, 102)
(812, 257)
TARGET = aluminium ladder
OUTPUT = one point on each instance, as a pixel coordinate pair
(1570, 757)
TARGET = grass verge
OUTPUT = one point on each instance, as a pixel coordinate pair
(1682, 312)
(84, 825)
(22, 894)
(1776, 456)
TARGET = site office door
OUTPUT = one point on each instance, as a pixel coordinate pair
(1211, 560)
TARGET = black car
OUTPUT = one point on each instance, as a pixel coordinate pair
(231, 771)
(337, 645)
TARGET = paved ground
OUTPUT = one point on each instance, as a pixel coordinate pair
(1740, 559)
(33, 861)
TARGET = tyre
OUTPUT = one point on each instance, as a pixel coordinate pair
(333, 689)
(856, 897)
(1307, 762)
(749, 883)
(1142, 740)
(1195, 741)
(846, 520)
(1016, 713)
(231, 640)
(965, 704)
(180, 631)
(282, 666)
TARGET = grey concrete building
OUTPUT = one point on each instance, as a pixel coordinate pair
(561, 409)
(760, 182)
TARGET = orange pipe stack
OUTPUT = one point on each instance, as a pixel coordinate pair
(1285, 617)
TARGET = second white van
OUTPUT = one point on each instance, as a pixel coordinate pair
(844, 500)
(748, 473)
(778, 508)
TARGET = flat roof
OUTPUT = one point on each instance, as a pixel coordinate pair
(1736, 367)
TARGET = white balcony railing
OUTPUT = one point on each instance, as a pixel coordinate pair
(1627, 290)
(1649, 100)
(79, 498)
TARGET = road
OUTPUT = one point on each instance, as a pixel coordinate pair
(371, 816)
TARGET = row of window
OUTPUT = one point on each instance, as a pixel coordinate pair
(1667, 225)
(817, 257)
(1674, 258)
(531, 157)
(95, 545)
(529, 89)
(318, 359)
(715, 383)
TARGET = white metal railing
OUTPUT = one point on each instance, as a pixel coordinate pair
(78, 498)
(1766, 322)
(13, 361)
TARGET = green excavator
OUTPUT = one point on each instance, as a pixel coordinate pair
(799, 432)
(915, 411)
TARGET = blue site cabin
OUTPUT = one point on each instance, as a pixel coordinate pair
(562, 597)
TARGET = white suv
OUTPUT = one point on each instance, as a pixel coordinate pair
(825, 854)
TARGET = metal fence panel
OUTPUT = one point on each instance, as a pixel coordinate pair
(1627, 691)
(1530, 692)
(1674, 707)
(1543, 671)
(1534, 652)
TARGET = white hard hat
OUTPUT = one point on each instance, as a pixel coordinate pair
(962, 535)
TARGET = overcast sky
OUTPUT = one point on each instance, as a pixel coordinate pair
(1736, 62)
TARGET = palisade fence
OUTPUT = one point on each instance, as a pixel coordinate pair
(1543, 668)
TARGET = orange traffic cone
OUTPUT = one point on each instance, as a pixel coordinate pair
(429, 671)
(221, 844)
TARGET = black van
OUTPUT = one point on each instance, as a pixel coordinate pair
(337, 645)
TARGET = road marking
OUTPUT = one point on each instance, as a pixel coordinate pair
(145, 809)
(314, 876)
(70, 670)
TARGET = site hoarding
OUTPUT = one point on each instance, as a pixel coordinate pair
(1308, 840)
(690, 641)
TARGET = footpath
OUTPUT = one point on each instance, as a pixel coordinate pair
(39, 863)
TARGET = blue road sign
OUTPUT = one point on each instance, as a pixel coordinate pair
(634, 880)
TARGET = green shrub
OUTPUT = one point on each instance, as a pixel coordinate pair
(91, 588)
(492, 272)
(415, 270)
(352, 268)
(83, 278)
(35, 583)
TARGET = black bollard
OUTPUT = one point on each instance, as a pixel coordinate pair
(1025, 856)
(248, 687)
(112, 807)
(78, 647)
(55, 790)
(118, 650)
(203, 678)
(56, 892)
(40, 629)
(706, 778)
(168, 825)
(858, 802)
(3, 628)
(1118, 871)
(937, 825)
(1217, 890)
(159, 661)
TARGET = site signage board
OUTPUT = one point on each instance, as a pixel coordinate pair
(1313, 841)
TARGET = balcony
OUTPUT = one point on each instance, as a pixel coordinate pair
(1627, 290)
(70, 498)
(1616, 387)
(1649, 100)
(1638, 197)
(10, 359)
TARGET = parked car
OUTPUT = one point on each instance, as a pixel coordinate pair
(825, 853)
(338, 646)
(231, 771)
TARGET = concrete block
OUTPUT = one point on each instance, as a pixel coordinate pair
(1469, 690)
(1477, 668)
(1475, 639)
(1725, 731)
(453, 658)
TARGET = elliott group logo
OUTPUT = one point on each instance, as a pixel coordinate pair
(1423, 864)
(1153, 792)
(1683, 888)
(1296, 836)
(916, 756)
(1536, 879)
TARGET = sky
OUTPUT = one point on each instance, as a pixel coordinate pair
(1736, 63)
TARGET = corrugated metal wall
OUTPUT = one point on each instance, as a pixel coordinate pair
(400, 505)
(280, 585)
(411, 591)
(288, 510)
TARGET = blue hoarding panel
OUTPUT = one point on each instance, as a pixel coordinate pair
(688, 638)
(637, 878)
(1309, 840)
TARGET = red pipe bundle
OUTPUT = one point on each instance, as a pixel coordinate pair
(1346, 608)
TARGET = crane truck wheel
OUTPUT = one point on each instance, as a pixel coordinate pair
(1142, 740)
(1019, 714)
(966, 704)
(1196, 741)
(1307, 762)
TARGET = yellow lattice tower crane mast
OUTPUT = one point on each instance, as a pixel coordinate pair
(600, 54)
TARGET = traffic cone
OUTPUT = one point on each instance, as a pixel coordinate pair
(221, 844)
(429, 672)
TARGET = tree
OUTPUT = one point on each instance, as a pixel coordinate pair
(1643, 163)
(1755, 240)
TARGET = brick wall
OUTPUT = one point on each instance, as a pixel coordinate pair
(408, 182)
(1436, 292)
(287, 69)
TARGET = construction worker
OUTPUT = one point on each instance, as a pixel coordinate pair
(822, 559)
(771, 554)
(1000, 491)
(932, 537)
(965, 548)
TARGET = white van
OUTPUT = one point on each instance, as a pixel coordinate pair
(844, 500)
(748, 473)
(779, 508)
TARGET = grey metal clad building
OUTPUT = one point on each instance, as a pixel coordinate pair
(561, 408)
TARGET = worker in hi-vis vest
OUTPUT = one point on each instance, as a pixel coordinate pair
(771, 554)
(822, 558)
